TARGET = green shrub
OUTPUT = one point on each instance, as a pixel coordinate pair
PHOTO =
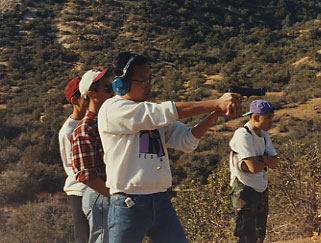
(205, 210)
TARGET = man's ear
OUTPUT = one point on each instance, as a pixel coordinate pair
(256, 117)
(74, 100)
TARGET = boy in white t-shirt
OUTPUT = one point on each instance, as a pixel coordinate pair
(252, 153)
(72, 187)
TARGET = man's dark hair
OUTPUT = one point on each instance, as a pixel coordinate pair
(122, 59)
(77, 95)
(95, 86)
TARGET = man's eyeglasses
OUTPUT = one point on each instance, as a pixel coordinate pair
(145, 82)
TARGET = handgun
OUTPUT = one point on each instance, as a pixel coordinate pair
(247, 91)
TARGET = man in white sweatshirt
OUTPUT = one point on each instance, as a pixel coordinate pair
(135, 135)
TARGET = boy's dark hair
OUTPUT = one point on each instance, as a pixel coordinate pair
(122, 59)
(77, 94)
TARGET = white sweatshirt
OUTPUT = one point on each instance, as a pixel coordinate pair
(136, 155)
(72, 186)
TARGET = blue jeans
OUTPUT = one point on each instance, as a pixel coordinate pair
(95, 207)
(152, 215)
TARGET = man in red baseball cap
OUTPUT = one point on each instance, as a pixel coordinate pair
(72, 187)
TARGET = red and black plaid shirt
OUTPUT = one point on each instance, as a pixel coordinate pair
(87, 151)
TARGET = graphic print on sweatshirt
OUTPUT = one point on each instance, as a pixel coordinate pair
(150, 143)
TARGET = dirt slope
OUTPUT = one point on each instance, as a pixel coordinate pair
(308, 110)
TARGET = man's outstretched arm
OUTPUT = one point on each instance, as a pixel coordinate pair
(229, 103)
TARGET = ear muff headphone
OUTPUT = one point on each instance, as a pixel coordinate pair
(121, 84)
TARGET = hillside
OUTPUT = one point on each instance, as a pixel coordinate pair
(197, 49)
(8, 5)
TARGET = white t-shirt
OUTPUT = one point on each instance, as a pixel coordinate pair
(72, 186)
(135, 137)
(244, 145)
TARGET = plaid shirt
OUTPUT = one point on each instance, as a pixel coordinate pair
(87, 151)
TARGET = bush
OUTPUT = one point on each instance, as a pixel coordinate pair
(10, 154)
(46, 221)
(23, 182)
(295, 192)
(16, 187)
(206, 210)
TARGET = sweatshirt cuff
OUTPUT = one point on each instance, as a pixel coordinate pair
(191, 136)
(86, 175)
(173, 108)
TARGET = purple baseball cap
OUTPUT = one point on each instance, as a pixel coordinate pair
(260, 107)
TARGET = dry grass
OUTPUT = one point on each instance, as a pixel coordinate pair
(313, 239)
(304, 60)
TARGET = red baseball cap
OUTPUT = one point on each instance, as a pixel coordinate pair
(72, 88)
